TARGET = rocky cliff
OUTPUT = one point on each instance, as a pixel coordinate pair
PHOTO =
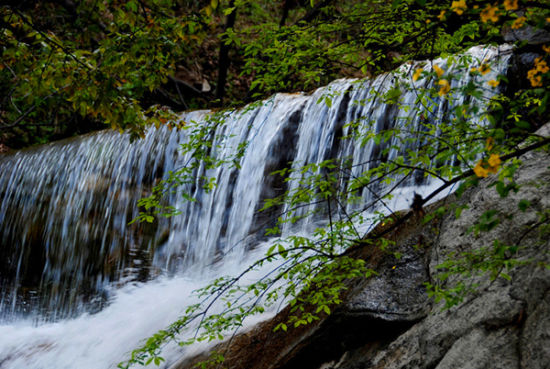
(390, 322)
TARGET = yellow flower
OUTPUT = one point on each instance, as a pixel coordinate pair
(483, 168)
(441, 15)
(510, 4)
(493, 83)
(489, 143)
(484, 69)
(417, 73)
(494, 161)
(459, 6)
(473, 70)
(536, 81)
(541, 65)
(480, 171)
(519, 22)
(546, 49)
(489, 14)
(438, 70)
(445, 87)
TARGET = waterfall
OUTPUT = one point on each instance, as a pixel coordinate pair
(69, 260)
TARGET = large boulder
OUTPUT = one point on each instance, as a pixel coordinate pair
(504, 324)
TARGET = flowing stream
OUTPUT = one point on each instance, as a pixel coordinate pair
(80, 287)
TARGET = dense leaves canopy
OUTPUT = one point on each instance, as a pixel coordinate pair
(72, 66)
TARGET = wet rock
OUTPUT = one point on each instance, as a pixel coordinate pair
(396, 294)
(531, 35)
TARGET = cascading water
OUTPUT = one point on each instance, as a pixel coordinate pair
(66, 249)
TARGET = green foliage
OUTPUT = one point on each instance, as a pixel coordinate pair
(214, 360)
(100, 64)
(495, 261)
(110, 62)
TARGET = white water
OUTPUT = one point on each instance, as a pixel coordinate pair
(102, 340)
(56, 187)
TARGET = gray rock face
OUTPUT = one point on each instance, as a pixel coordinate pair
(531, 35)
(481, 349)
(396, 294)
(505, 324)
(535, 339)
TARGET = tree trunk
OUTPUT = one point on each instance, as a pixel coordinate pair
(224, 61)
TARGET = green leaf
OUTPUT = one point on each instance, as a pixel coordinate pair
(393, 95)
(522, 124)
(228, 11)
(523, 204)
(396, 3)
(132, 5)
